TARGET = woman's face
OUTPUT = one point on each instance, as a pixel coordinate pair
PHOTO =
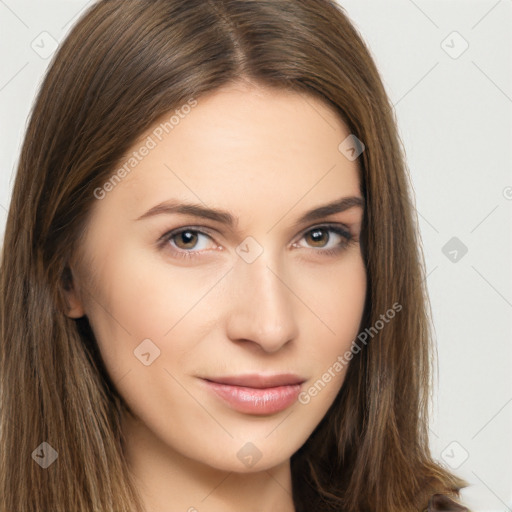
(249, 287)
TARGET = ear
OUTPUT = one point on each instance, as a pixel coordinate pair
(75, 307)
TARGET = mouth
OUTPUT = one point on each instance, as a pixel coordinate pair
(256, 394)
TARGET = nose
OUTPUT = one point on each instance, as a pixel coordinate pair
(261, 305)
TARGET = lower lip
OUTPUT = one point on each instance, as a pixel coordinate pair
(254, 400)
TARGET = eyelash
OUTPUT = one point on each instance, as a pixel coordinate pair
(334, 228)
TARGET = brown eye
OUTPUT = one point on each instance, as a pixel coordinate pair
(185, 239)
(318, 236)
(328, 239)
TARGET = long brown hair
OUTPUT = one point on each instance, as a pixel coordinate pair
(124, 65)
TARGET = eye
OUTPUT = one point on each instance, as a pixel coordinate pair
(186, 239)
(329, 238)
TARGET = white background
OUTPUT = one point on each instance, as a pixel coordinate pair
(454, 117)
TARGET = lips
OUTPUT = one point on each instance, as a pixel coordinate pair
(256, 394)
(259, 381)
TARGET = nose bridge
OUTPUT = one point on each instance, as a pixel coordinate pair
(262, 310)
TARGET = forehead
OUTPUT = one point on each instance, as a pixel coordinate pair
(240, 146)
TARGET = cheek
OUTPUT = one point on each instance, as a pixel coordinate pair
(351, 292)
(143, 297)
(336, 296)
(338, 305)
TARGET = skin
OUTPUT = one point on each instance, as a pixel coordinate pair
(267, 157)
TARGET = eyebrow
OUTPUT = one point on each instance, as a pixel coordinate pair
(224, 217)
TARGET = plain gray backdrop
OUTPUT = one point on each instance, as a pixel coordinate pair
(447, 68)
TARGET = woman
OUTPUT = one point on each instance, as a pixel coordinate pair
(212, 291)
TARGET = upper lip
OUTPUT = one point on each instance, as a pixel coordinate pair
(258, 380)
